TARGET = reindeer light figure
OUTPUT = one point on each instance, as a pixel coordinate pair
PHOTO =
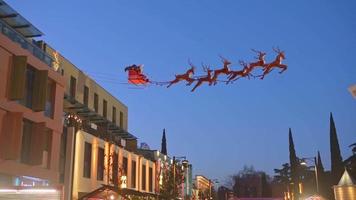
(225, 70)
(208, 78)
(277, 63)
(187, 76)
(260, 59)
(234, 75)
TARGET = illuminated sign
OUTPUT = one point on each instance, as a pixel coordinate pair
(56, 62)
(123, 182)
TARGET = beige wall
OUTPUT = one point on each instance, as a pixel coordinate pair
(86, 185)
(84, 80)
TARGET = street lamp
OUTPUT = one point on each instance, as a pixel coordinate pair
(304, 163)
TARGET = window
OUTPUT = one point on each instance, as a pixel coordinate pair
(96, 102)
(100, 168)
(26, 141)
(72, 86)
(105, 107)
(150, 179)
(50, 94)
(87, 160)
(115, 169)
(121, 119)
(124, 165)
(143, 177)
(86, 95)
(48, 147)
(114, 114)
(29, 85)
(133, 174)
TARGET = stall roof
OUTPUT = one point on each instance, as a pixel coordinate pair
(17, 21)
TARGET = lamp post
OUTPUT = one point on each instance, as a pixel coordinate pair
(304, 163)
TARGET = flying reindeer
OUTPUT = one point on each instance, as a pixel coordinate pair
(234, 75)
(225, 70)
(277, 63)
(187, 76)
(260, 59)
(207, 78)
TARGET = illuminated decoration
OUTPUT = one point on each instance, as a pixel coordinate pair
(136, 76)
(346, 189)
(55, 62)
(73, 120)
(28, 191)
(352, 90)
(123, 180)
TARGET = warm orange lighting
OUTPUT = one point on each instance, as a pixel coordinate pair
(56, 62)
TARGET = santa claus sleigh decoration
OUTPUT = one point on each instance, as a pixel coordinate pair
(137, 78)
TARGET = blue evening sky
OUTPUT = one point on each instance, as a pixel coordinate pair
(219, 128)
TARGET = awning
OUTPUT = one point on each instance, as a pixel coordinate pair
(107, 190)
(17, 22)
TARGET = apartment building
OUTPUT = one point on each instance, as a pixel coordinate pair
(98, 153)
(31, 106)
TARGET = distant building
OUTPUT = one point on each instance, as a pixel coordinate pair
(204, 187)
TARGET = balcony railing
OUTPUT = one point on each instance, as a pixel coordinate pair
(25, 44)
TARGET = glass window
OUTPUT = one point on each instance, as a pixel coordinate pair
(96, 102)
(143, 177)
(150, 181)
(124, 165)
(49, 107)
(100, 165)
(115, 169)
(26, 141)
(121, 119)
(114, 114)
(48, 146)
(133, 174)
(72, 86)
(105, 107)
(87, 160)
(86, 95)
(29, 84)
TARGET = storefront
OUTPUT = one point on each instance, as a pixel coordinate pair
(30, 188)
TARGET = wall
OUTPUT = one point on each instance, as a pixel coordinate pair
(82, 79)
(86, 185)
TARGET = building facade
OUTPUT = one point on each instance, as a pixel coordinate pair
(31, 106)
(62, 135)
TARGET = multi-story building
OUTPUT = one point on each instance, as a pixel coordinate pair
(62, 135)
(31, 107)
(204, 187)
(98, 152)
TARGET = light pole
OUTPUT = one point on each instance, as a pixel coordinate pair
(304, 163)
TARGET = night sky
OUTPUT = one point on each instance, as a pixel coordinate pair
(218, 128)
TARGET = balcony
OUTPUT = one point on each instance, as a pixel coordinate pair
(20, 31)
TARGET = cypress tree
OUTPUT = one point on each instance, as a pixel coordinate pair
(336, 159)
(321, 176)
(164, 143)
(294, 163)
